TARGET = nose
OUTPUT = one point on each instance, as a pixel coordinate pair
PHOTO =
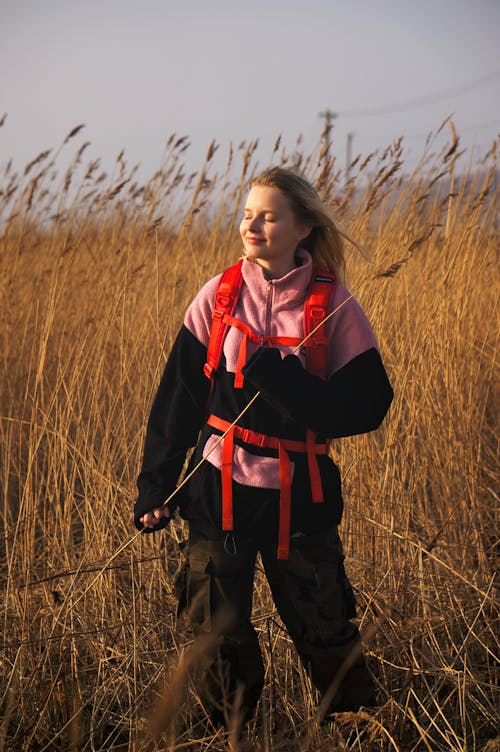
(252, 224)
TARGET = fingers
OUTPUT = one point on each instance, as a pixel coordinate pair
(151, 519)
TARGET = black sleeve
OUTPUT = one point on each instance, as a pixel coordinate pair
(176, 417)
(354, 400)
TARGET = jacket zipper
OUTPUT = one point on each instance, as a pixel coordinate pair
(269, 307)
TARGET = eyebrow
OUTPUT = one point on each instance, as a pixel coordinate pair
(262, 211)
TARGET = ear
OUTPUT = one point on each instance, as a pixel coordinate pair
(304, 231)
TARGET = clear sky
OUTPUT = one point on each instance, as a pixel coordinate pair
(135, 71)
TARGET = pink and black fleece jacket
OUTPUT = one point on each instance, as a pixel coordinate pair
(354, 399)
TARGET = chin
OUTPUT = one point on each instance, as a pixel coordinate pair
(252, 254)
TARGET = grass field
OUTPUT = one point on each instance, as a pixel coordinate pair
(96, 271)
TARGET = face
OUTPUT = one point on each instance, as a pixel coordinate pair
(269, 230)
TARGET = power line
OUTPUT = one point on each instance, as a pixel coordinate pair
(421, 135)
(421, 101)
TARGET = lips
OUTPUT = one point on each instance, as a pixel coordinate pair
(254, 241)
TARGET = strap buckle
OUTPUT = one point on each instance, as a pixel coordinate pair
(317, 312)
(252, 437)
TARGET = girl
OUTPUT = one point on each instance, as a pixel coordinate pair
(269, 486)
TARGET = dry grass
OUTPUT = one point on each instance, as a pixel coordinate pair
(95, 273)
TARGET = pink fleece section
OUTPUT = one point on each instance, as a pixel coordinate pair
(198, 318)
(248, 469)
(274, 307)
(350, 333)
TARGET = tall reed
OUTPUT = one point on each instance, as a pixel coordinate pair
(96, 271)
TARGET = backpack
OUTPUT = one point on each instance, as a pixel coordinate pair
(316, 307)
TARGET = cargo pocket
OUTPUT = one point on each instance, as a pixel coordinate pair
(349, 598)
(179, 587)
(198, 593)
(344, 588)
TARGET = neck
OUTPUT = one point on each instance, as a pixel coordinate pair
(275, 270)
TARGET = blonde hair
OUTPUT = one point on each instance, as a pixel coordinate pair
(324, 242)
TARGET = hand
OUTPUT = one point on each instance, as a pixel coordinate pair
(152, 518)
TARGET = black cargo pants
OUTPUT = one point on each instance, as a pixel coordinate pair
(314, 600)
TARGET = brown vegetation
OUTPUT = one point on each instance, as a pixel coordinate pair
(96, 271)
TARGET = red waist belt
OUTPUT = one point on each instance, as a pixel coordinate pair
(283, 446)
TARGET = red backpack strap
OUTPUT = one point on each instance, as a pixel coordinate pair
(226, 298)
(316, 308)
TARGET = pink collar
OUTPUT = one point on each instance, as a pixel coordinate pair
(288, 291)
